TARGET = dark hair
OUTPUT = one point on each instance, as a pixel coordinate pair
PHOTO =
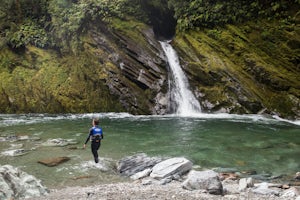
(96, 121)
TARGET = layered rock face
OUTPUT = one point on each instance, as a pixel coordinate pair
(138, 75)
(119, 67)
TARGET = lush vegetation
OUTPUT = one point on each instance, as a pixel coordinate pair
(210, 13)
(58, 23)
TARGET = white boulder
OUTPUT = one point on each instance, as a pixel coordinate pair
(203, 180)
(171, 167)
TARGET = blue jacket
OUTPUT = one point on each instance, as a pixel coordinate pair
(95, 131)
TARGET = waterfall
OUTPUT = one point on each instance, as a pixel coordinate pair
(186, 102)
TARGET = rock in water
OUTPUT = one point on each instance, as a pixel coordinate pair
(15, 152)
(170, 167)
(51, 162)
(16, 184)
(203, 180)
(131, 165)
(59, 142)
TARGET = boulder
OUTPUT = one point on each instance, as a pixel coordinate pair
(131, 165)
(16, 184)
(263, 188)
(51, 162)
(203, 180)
(171, 167)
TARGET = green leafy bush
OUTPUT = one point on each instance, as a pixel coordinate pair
(210, 13)
(29, 33)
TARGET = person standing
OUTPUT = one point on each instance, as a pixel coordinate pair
(95, 135)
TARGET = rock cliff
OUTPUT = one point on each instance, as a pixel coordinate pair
(119, 66)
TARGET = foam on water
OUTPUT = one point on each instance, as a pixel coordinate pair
(14, 119)
(87, 165)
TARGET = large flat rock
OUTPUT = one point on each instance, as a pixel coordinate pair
(170, 167)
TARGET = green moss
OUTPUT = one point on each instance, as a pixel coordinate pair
(130, 28)
(55, 84)
(264, 67)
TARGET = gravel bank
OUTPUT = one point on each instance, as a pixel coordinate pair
(135, 190)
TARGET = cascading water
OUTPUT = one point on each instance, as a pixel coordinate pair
(185, 100)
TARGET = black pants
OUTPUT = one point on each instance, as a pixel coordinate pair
(95, 147)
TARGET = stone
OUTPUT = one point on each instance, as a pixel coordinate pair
(141, 174)
(165, 181)
(16, 184)
(297, 176)
(230, 186)
(131, 165)
(245, 183)
(263, 188)
(59, 142)
(225, 170)
(15, 152)
(147, 182)
(170, 167)
(285, 186)
(51, 162)
(232, 176)
(203, 180)
(290, 193)
(23, 137)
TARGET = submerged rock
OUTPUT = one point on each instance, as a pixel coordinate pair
(16, 184)
(15, 138)
(59, 142)
(203, 180)
(15, 152)
(51, 162)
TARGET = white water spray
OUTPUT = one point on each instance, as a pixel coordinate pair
(186, 102)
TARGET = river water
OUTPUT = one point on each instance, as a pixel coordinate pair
(245, 142)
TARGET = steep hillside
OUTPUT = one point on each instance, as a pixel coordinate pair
(63, 56)
(250, 68)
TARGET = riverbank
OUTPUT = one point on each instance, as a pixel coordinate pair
(152, 178)
(136, 190)
(156, 178)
